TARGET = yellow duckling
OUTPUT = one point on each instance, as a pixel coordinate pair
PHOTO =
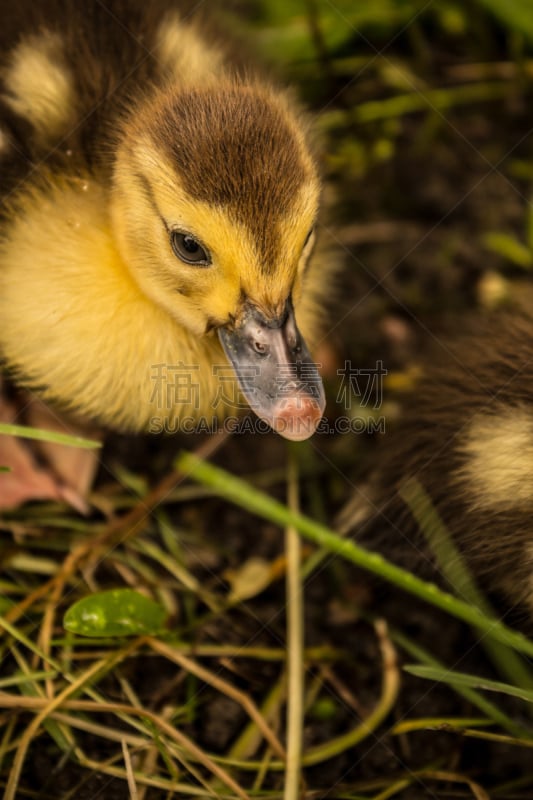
(159, 207)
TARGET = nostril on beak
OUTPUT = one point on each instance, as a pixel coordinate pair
(260, 348)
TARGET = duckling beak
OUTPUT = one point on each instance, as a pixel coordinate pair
(275, 371)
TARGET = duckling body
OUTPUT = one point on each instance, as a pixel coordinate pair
(154, 195)
(467, 438)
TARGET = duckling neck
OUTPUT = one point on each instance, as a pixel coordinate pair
(110, 352)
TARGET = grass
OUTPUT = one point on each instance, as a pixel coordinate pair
(25, 432)
(63, 686)
(56, 696)
(278, 672)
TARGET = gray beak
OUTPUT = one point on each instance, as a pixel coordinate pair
(275, 371)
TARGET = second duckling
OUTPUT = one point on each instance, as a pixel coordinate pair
(466, 437)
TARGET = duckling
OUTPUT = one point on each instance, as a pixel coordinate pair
(466, 436)
(158, 217)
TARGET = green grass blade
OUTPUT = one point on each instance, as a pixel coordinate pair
(470, 681)
(455, 571)
(25, 432)
(477, 699)
(515, 14)
(242, 494)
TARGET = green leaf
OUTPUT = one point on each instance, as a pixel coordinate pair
(510, 248)
(119, 612)
(465, 680)
(514, 14)
(285, 29)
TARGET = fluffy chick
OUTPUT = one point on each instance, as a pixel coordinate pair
(159, 207)
(466, 436)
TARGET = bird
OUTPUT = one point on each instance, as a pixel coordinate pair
(464, 444)
(159, 209)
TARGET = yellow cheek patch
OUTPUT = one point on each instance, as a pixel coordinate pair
(39, 86)
(214, 292)
(216, 288)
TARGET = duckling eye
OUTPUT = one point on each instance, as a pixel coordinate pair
(189, 249)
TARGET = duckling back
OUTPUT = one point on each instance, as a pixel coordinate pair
(466, 438)
(71, 70)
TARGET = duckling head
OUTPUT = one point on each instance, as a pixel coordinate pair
(214, 200)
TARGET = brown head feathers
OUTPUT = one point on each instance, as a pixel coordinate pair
(236, 147)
